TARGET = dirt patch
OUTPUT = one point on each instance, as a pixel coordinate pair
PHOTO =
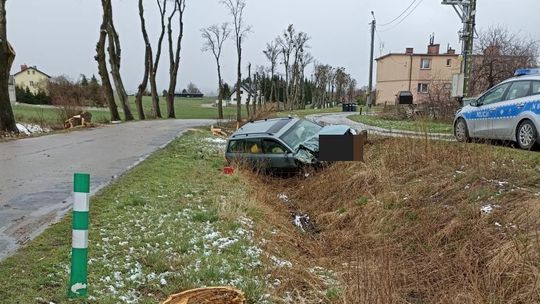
(408, 226)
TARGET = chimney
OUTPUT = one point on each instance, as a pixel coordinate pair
(24, 67)
(433, 49)
(450, 51)
(409, 51)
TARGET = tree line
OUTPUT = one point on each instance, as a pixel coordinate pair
(284, 82)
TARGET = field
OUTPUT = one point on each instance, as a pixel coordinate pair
(421, 125)
(185, 109)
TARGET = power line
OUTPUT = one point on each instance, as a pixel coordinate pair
(402, 13)
(403, 19)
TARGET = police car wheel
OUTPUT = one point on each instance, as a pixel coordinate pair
(526, 135)
(460, 131)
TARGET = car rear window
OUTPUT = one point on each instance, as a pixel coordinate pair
(237, 146)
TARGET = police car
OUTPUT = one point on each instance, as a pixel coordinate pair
(508, 111)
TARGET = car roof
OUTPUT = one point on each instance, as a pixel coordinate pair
(524, 77)
(267, 127)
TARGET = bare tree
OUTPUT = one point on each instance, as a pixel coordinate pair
(250, 90)
(214, 37)
(148, 60)
(7, 55)
(162, 6)
(174, 52)
(286, 43)
(499, 52)
(236, 9)
(272, 53)
(115, 55)
(101, 59)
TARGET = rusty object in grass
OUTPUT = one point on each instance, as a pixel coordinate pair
(228, 170)
(84, 119)
(210, 295)
(342, 147)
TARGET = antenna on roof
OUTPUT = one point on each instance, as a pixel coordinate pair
(432, 39)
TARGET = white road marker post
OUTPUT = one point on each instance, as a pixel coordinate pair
(79, 249)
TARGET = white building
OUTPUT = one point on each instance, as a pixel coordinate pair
(244, 96)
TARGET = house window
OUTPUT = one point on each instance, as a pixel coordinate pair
(28, 72)
(31, 83)
(423, 88)
(33, 72)
(448, 62)
(425, 64)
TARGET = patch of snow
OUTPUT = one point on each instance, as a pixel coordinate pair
(283, 197)
(487, 209)
(30, 129)
(280, 263)
(163, 282)
(498, 224)
(301, 220)
(216, 140)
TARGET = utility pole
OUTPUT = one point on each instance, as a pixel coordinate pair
(370, 85)
(466, 10)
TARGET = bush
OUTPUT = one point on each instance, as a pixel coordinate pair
(26, 96)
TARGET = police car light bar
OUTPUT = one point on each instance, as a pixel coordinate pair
(530, 71)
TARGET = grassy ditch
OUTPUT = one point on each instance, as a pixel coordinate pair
(172, 223)
(406, 125)
(418, 222)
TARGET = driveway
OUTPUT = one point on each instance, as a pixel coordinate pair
(36, 173)
(341, 118)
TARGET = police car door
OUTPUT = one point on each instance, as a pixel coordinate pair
(484, 115)
(507, 111)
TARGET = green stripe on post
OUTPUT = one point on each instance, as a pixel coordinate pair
(80, 220)
(81, 183)
(79, 252)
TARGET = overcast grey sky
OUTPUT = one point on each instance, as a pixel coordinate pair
(59, 36)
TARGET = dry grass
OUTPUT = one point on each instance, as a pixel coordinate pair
(407, 226)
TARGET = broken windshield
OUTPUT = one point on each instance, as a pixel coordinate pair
(300, 132)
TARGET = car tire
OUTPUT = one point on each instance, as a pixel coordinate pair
(526, 135)
(461, 132)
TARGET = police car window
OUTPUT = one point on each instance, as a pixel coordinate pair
(535, 88)
(495, 95)
(236, 146)
(518, 89)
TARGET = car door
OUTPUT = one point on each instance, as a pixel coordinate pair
(506, 111)
(482, 118)
(276, 155)
(236, 150)
(254, 152)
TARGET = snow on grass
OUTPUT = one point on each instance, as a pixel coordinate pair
(30, 129)
(166, 235)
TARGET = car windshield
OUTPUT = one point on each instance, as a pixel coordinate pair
(299, 133)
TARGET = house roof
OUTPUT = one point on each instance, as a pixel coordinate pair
(244, 87)
(31, 68)
(416, 55)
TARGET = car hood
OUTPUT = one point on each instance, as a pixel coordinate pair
(308, 151)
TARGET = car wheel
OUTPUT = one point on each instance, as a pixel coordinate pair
(460, 131)
(526, 135)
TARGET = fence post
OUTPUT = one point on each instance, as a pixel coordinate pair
(79, 251)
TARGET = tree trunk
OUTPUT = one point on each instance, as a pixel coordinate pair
(102, 65)
(174, 56)
(220, 93)
(148, 58)
(239, 81)
(153, 83)
(7, 119)
(115, 52)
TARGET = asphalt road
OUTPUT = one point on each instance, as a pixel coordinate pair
(36, 173)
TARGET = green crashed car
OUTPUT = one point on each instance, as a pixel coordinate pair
(281, 143)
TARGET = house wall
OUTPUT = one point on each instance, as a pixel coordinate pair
(32, 79)
(11, 90)
(394, 74)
